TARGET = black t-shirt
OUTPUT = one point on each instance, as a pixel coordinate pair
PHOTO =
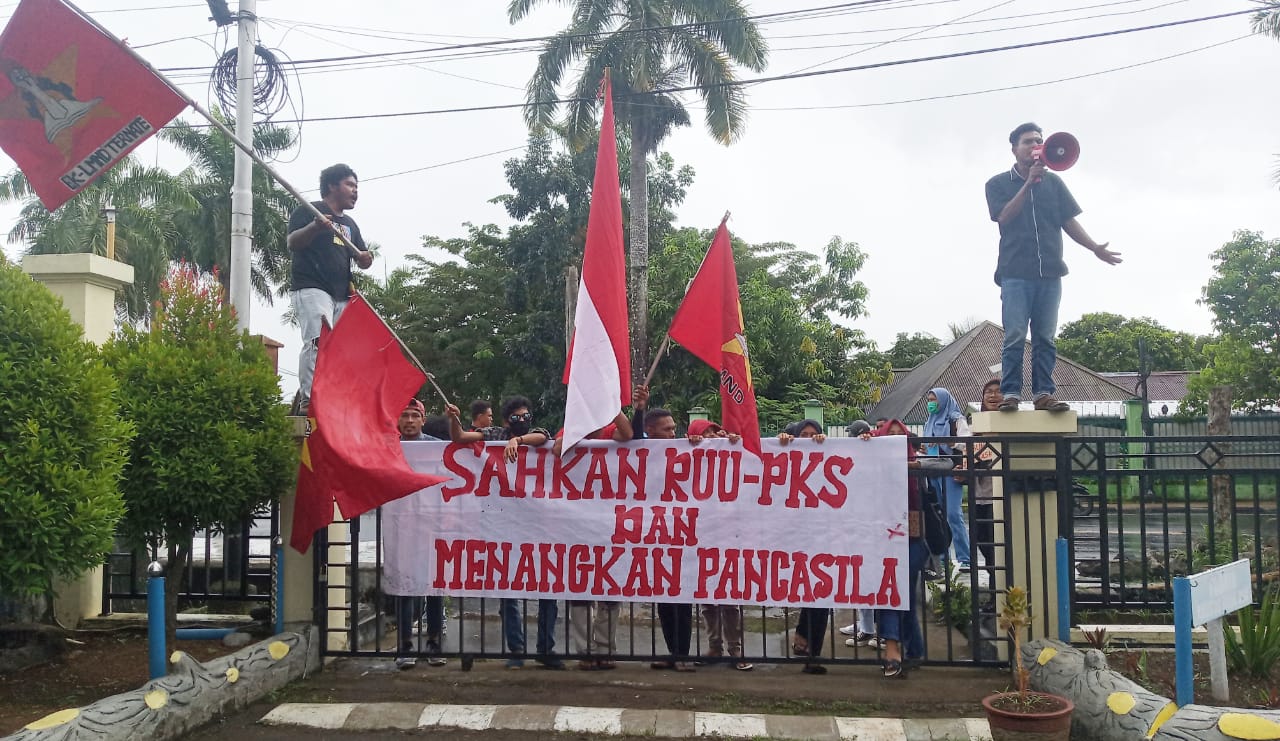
(325, 263)
(1031, 244)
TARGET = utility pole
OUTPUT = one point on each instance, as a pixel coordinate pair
(242, 181)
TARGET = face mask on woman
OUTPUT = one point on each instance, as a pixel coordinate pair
(932, 406)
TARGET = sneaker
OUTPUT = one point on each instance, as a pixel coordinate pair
(1009, 404)
(863, 639)
(963, 568)
(433, 654)
(849, 630)
(551, 662)
(1047, 403)
(932, 575)
(406, 662)
(515, 663)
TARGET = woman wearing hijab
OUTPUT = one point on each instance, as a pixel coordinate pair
(900, 635)
(811, 627)
(946, 420)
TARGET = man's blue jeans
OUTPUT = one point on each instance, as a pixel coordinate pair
(513, 626)
(406, 609)
(1029, 302)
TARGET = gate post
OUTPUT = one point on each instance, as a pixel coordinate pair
(1029, 556)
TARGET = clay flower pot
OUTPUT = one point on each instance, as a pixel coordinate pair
(1046, 718)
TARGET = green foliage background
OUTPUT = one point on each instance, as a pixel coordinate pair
(63, 442)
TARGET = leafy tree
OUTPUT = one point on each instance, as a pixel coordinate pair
(63, 442)
(649, 46)
(213, 445)
(205, 229)
(146, 199)
(1108, 343)
(1244, 296)
(490, 321)
(908, 351)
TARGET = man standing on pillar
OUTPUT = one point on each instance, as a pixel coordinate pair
(321, 274)
(1033, 207)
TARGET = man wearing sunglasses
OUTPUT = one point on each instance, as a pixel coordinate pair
(517, 429)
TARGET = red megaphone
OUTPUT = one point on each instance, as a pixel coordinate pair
(1059, 152)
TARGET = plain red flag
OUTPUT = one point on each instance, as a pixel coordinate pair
(72, 101)
(709, 325)
(598, 372)
(352, 452)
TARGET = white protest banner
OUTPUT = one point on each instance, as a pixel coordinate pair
(822, 524)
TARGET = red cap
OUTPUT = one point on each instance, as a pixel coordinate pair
(415, 404)
(702, 426)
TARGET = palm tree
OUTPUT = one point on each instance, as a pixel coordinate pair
(147, 201)
(1267, 22)
(648, 46)
(206, 230)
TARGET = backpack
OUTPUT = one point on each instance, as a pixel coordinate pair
(937, 531)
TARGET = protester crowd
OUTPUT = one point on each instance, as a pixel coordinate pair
(895, 635)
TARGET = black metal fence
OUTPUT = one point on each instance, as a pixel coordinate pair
(229, 569)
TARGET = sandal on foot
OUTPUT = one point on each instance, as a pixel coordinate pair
(663, 665)
(743, 666)
(684, 666)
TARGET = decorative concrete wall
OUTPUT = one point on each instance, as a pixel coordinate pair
(191, 694)
(1109, 707)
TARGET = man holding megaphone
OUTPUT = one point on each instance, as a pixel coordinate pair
(1033, 207)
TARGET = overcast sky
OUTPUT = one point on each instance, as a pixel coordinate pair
(1178, 149)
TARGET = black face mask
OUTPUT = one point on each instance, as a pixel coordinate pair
(518, 424)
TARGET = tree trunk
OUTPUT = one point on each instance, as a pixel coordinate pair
(1220, 424)
(175, 572)
(639, 298)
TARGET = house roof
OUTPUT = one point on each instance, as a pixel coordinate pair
(1161, 385)
(963, 366)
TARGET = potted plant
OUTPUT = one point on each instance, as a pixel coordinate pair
(1024, 714)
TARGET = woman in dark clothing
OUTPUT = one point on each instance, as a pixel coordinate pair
(811, 629)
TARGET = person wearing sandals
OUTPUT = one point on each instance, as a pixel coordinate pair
(902, 642)
(811, 627)
(723, 622)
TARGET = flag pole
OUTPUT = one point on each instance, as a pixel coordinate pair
(662, 350)
(237, 141)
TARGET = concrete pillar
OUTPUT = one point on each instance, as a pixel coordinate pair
(1032, 521)
(813, 410)
(1134, 452)
(87, 285)
(699, 413)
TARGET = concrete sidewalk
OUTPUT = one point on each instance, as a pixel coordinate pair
(620, 722)
(357, 695)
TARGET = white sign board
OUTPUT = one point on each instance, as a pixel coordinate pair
(1220, 591)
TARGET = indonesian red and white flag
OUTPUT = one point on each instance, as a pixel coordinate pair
(73, 102)
(599, 369)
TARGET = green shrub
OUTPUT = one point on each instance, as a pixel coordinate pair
(213, 444)
(1257, 649)
(62, 442)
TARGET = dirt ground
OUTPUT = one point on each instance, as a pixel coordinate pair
(107, 664)
(110, 663)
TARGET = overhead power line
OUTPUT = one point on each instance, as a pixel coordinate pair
(798, 75)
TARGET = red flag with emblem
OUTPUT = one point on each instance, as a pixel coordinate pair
(352, 452)
(72, 101)
(709, 325)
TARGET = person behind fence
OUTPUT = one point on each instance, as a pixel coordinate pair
(481, 415)
(723, 622)
(1033, 207)
(984, 531)
(946, 420)
(862, 631)
(320, 276)
(811, 626)
(517, 430)
(410, 425)
(901, 639)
